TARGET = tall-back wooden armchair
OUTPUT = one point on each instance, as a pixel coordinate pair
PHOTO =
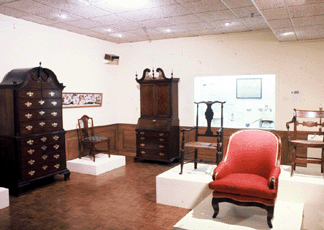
(249, 172)
(313, 121)
(87, 137)
(198, 143)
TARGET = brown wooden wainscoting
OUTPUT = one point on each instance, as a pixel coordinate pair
(123, 141)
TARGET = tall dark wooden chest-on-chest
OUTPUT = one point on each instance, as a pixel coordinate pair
(157, 131)
(32, 138)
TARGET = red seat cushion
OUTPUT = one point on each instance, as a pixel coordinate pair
(244, 184)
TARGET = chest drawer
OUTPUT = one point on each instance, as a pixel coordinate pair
(151, 153)
(34, 151)
(40, 126)
(51, 93)
(39, 114)
(39, 103)
(29, 94)
(32, 142)
(42, 169)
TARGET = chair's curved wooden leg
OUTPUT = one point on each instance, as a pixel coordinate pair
(196, 157)
(215, 207)
(182, 159)
(93, 152)
(108, 142)
(270, 210)
(293, 164)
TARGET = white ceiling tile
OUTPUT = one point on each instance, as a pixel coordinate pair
(309, 21)
(184, 19)
(306, 10)
(84, 23)
(6, 1)
(269, 4)
(85, 11)
(106, 29)
(255, 21)
(37, 19)
(278, 13)
(29, 6)
(58, 15)
(246, 11)
(129, 26)
(155, 23)
(238, 4)
(12, 12)
(138, 15)
(280, 23)
(217, 15)
(302, 2)
(109, 19)
(205, 6)
(169, 11)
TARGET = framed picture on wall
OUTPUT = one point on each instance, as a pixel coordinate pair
(73, 100)
(249, 88)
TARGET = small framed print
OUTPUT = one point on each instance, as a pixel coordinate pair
(73, 100)
(249, 88)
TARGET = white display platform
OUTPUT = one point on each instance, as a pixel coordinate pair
(4, 197)
(299, 205)
(287, 216)
(102, 164)
(186, 190)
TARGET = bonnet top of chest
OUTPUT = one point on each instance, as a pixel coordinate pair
(21, 77)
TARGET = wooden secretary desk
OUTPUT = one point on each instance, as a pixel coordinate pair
(157, 131)
(32, 143)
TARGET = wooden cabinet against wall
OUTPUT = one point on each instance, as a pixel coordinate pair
(157, 130)
(32, 142)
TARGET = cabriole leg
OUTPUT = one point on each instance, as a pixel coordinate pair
(215, 206)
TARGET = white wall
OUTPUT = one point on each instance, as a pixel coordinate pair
(297, 65)
(77, 61)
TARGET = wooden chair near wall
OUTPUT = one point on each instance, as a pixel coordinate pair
(216, 146)
(309, 119)
(87, 138)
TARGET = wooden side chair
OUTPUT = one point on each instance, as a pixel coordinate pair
(87, 137)
(198, 143)
(249, 172)
(311, 120)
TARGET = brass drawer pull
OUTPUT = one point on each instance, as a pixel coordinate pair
(54, 103)
(44, 147)
(30, 142)
(29, 127)
(51, 94)
(31, 173)
(31, 162)
(54, 114)
(142, 152)
(56, 156)
(44, 167)
(161, 139)
(161, 146)
(161, 154)
(154, 120)
(30, 94)
(161, 134)
(31, 151)
(42, 123)
(56, 137)
(44, 157)
(54, 124)
(41, 112)
(142, 132)
(57, 166)
(142, 138)
(56, 146)
(142, 144)
(41, 102)
(28, 104)
(28, 115)
(44, 139)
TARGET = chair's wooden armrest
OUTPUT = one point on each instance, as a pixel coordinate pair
(185, 130)
(293, 120)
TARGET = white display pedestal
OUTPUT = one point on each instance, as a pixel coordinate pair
(186, 190)
(299, 205)
(4, 197)
(101, 165)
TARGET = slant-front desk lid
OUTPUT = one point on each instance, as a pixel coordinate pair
(154, 124)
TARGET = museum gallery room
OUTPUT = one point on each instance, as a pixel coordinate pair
(161, 114)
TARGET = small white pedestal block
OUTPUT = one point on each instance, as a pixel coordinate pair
(4, 197)
(102, 164)
(287, 215)
(186, 190)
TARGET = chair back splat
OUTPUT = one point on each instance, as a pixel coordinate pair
(198, 142)
(305, 123)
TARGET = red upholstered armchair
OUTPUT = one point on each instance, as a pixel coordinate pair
(248, 174)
